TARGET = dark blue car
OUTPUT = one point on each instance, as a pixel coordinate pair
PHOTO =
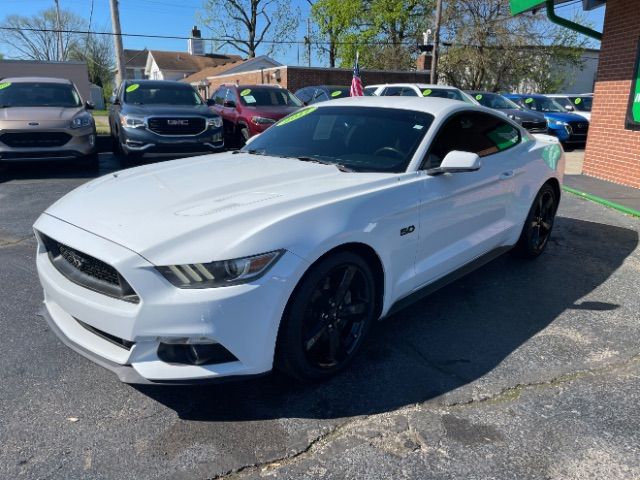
(568, 127)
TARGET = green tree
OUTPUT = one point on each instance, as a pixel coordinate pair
(246, 25)
(487, 48)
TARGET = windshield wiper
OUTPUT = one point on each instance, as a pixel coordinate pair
(339, 166)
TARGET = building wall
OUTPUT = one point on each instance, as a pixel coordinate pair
(77, 72)
(294, 78)
(613, 153)
(581, 80)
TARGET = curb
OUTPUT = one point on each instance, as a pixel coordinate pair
(603, 201)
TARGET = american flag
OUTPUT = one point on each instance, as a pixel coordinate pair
(356, 83)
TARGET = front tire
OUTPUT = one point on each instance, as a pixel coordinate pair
(327, 318)
(539, 223)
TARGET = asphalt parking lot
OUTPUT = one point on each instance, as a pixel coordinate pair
(520, 370)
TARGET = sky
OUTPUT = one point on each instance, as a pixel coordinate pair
(177, 17)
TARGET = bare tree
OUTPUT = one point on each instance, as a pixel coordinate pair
(247, 24)
(28, 35)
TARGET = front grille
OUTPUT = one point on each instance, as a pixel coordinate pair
(88, 271)
(177, 126)
(536, 127)
(579, 128)
(35, 139)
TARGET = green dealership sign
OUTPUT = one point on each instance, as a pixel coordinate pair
(633, 110)
(519, 6)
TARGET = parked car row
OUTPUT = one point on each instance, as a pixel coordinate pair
(45, 118)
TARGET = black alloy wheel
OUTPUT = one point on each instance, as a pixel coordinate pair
(539, 223)
(328, 317)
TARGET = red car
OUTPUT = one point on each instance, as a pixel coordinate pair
(248, 110)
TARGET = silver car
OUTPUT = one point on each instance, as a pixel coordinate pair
(45, 119)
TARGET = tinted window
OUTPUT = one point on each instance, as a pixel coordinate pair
(495, 101)
(34, 94)
(304, 94)
(443, 93)
(219, 96)
(474, 132)
(369, 91)
(582, 104)
(161, 94)
(399, 92)
(268, 97)
(320, 96)
(542, 104)
(360, 138)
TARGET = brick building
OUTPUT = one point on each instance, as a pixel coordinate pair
(613, 146)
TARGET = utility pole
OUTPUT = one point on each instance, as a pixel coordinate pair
(436, 42)
(59, 27)
(117, 40)
(309, 40)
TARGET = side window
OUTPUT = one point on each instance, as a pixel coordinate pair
(304, 95)
(392, 92)
(320, 96)
(218, 96)
(408, 92)
(474, 132)
(231, 95)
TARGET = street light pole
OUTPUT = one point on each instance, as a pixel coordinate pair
(436, 42)
(117, 40)
(59, 27)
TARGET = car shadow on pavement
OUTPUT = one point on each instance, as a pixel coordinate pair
(452, 337)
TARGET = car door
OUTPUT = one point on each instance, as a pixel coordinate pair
(465, 215)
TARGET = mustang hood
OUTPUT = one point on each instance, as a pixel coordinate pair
(221, 199)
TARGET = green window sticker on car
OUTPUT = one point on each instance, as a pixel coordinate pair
(551, 155)
(478, 97)
(296, 116)
(4, 85)
(133, 88)
(504, 136)
(244, 92)
(426, 92)
(337, 93)
(577, 101)
(529, 100)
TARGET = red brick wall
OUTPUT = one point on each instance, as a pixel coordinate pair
(294, 78)
(612, 152)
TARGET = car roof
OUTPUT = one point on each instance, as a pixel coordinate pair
(242, 87)
(432, 105)
(528, 95)
(156, 82)
(419, 85)
(65, 81)
(482, 92)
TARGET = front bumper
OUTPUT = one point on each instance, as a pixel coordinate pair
(566, 135)
(244, 319)
(82, 143)
(145, 141)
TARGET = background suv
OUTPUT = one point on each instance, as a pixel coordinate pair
(532, 121)
(162, 117)
(568, 127)
(45, 119)
(248, 110)
(579, 104)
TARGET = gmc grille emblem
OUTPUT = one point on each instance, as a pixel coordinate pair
(178, 122)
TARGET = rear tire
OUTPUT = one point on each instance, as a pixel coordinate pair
(327, 318)
(243, 136)
(538, 224)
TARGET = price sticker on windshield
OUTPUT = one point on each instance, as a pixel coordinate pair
(529, 100)
(577, 101)
(478, 97)
(337, 93)
(4, 85)
(245, 92)
(426, 92)
(133, 88)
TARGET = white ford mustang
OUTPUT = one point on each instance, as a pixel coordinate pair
(283, 254)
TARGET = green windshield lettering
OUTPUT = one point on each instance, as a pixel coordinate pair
(4, 85)
(296, 116)
(337, 93)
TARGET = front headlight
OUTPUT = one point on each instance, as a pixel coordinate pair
(127, 121)
(556, 123)
(262, 120)
(214, 122)
(82, 120)
(221, 273)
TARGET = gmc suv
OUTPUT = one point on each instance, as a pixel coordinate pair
(248, 110)
(162, 117)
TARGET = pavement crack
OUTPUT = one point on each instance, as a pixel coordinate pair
(511, 394)
(11, 243)
(289, 459)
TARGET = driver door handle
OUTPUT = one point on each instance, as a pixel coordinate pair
(506, 175)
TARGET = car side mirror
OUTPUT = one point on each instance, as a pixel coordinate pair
(211, 102)
(456, 161)
(114, 100)
(89, 106)
(229, 103)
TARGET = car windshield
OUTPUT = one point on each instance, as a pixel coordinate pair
(582, 104)
(543, 104)
(268, 97)
(362, 139)
(155, 94)
(339, 92)
(443, 93)
(495, 101)
(38, 94)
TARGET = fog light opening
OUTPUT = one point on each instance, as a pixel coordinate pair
(194, 353)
